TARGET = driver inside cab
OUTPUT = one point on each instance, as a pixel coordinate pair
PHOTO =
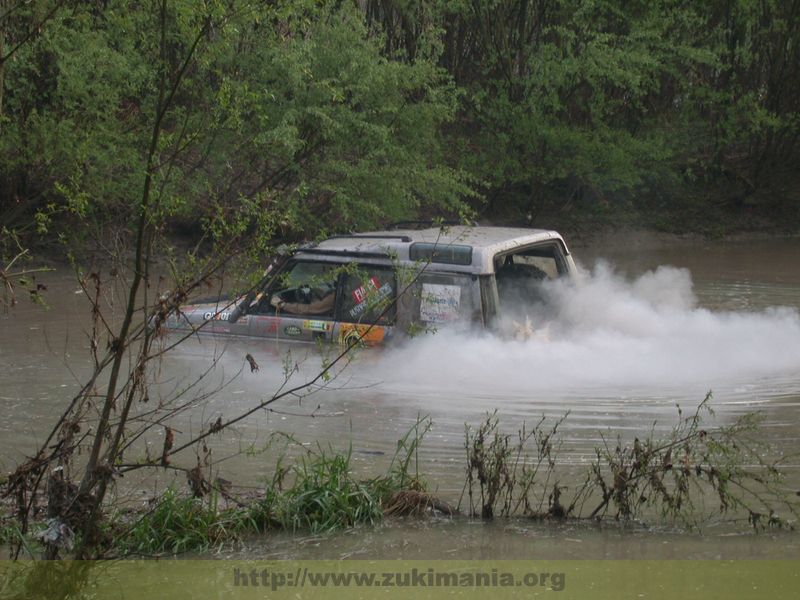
(306, 300)
(307, 288)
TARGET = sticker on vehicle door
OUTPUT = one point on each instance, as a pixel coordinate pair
(267, 325)
(220, 316)
(372, 291)
(292, 330)
(350, 333)
(317, 325)
(439, 303)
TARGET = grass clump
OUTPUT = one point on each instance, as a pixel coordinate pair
(317, 493)
(324, 496)
(9, 531)
(180, 524)
(13, 537)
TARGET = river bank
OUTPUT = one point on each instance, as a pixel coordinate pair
(519, 484)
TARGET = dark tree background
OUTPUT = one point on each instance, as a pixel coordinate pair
(324, 116)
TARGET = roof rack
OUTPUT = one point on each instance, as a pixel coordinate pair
(328, 252)
(358, 236)
(420, 224)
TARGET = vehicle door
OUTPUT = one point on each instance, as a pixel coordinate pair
(217, 317)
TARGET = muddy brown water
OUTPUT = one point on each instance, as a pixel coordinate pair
(729, 337)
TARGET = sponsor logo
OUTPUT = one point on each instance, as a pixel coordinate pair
(378, 294)
(317, 325)
(222, 316)
(292, 330)
(360, 294)
(351, 334)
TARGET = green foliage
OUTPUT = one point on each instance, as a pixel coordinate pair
(11, 535)
(320, 493)
(324, 496)
(569, 115)
(595, 106)
(295, 118)
(66, 138)
(288, 119)
(177, 524)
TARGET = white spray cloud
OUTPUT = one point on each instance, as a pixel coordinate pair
(605, 331)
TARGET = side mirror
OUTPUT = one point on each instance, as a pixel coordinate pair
(241, 308)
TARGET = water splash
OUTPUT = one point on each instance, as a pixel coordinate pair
(602, 330)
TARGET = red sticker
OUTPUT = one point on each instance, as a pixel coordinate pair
(360, 293)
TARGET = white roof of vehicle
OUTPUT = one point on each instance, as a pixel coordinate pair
(486, 243)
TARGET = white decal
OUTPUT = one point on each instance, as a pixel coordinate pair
(220, 316)
(439, 303)
(380, 294)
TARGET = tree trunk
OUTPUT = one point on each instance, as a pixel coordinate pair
(3, 11)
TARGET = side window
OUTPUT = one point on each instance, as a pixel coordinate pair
(445, 298)
(305, 288)
(366, 294)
